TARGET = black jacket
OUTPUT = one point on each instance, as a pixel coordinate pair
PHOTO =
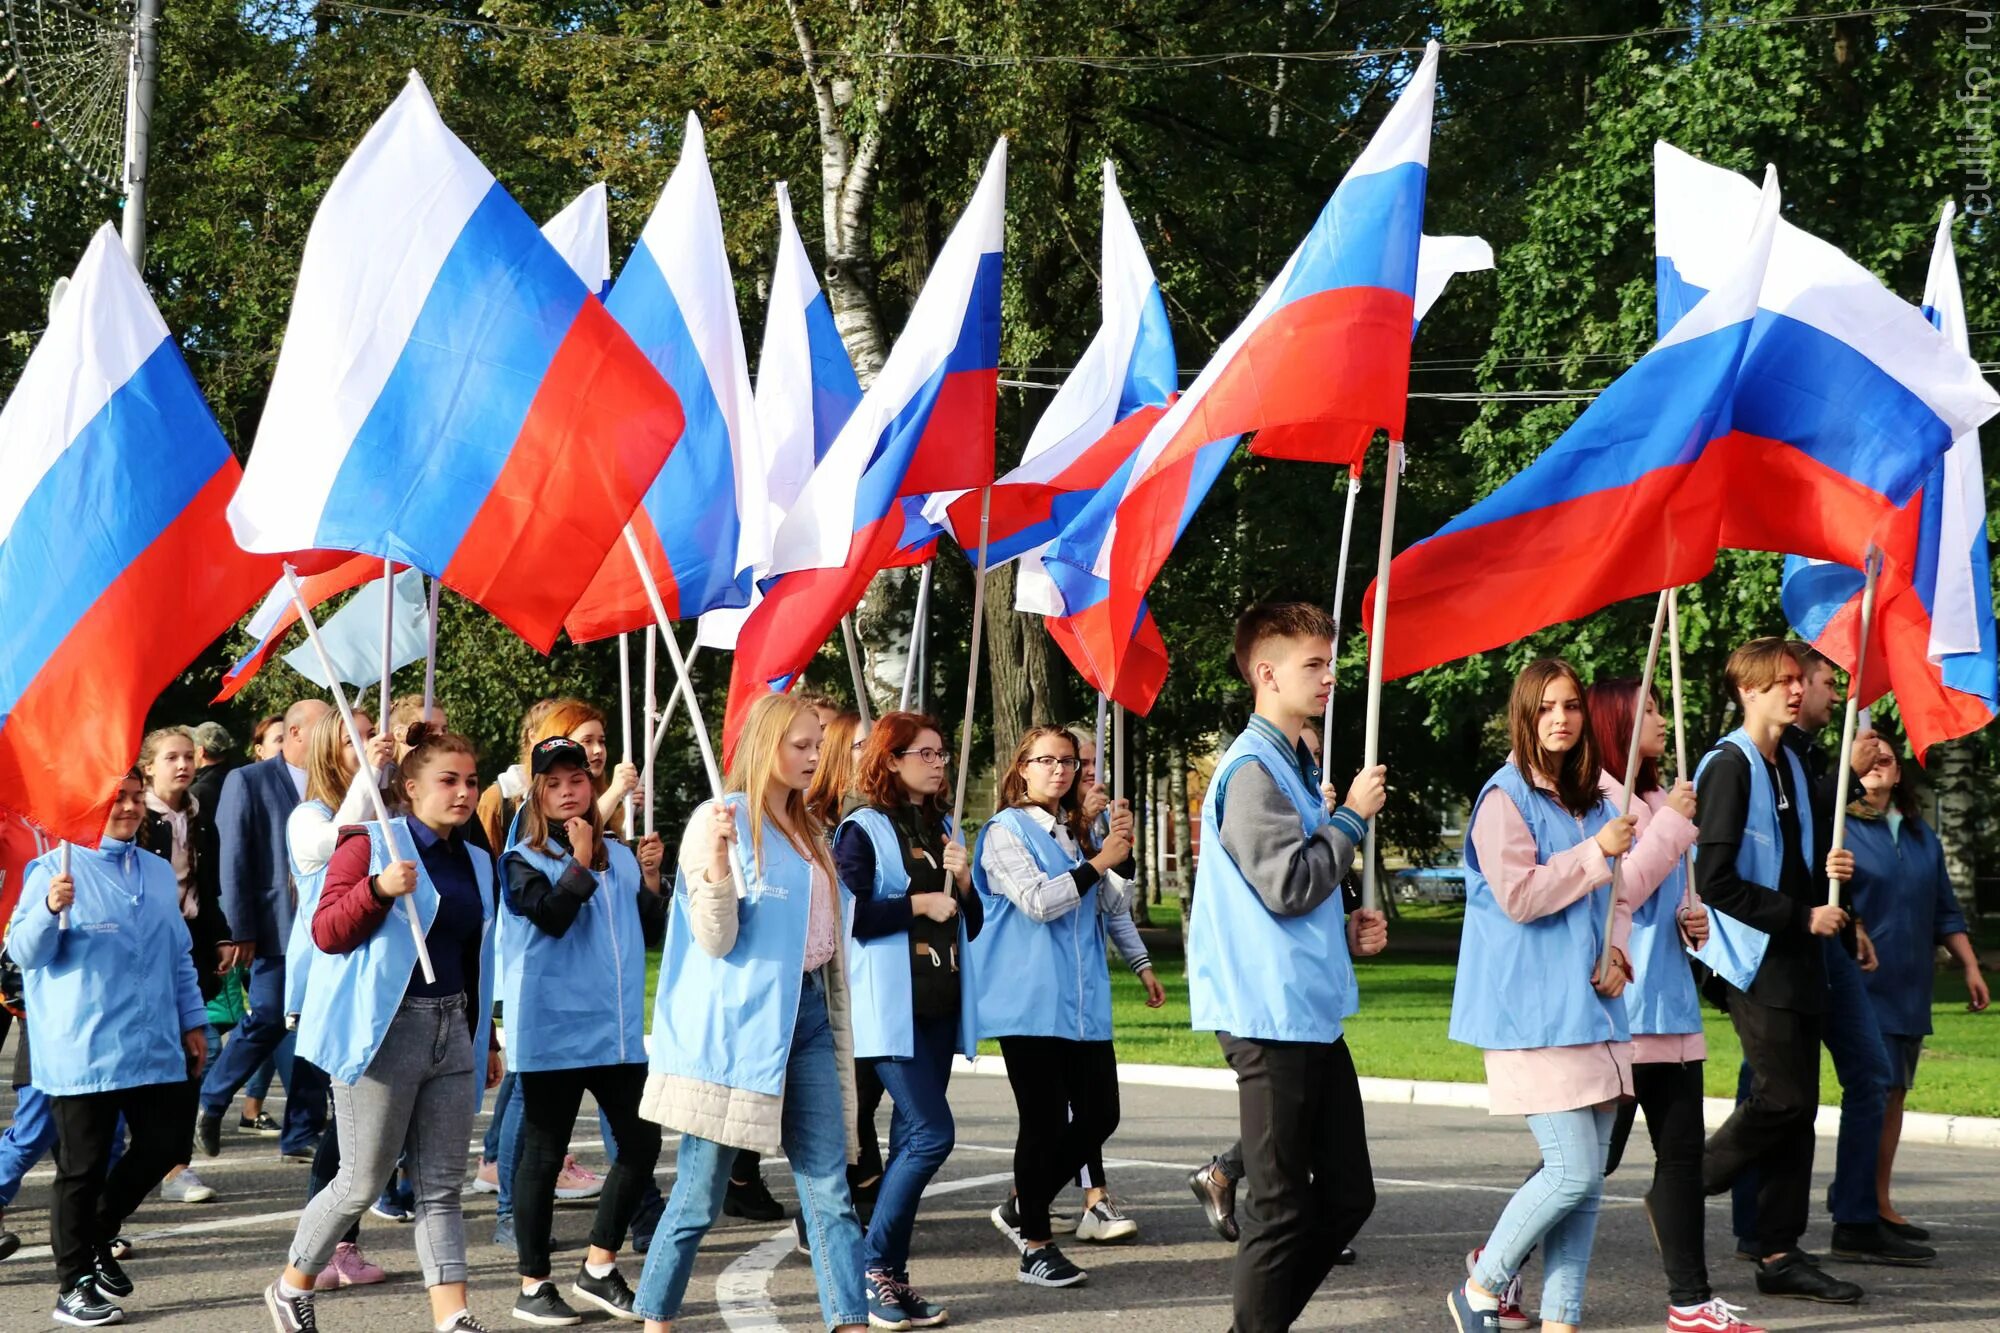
(209, 928)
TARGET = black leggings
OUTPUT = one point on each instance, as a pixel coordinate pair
(1066, 1093)
(1670, 1094)
(550, 1100)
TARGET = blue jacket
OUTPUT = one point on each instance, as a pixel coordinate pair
(299, 947)
(1903, 892)
(352, 997)
(110, 998)
(878, 970)
(1525, 985)
(1661, 999)
(1252, 973)
(1734, 950)
(1028, 978)
(578, 998)
(256, 868)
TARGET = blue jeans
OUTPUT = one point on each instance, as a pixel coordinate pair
(1853, 1038)
(278, 1064)
(1556, 1208)
(814, 1134)
(920, 1138)
(257, 1038)
(31, 1135)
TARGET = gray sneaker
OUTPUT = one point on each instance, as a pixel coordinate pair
(187, 1187)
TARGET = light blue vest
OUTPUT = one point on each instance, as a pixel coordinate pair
(579, 999)
(1250, 973)
(730, 1020)
(299, 947)
(352, 997)
(1525, 986)
(1029, 978)
(878, 970)
(1734, 950)
(1661, 1000)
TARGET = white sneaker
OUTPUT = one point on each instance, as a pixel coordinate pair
(1102, 1224)
(187, 1187)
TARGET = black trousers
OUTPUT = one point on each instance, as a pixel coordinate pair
(1311, 1187)
(1670, 1094)
(1066, 1094)
(1772, 1128)
(91, 1203)
(869, 1093)
(550, 1100)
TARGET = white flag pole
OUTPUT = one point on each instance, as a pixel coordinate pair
(388, 638)
(861, 703)
(673, 701)
(972, 667)
(1632, 769)
(1118, 752)
(1103, 755)
(651, 715)
(919, 628)
(374, 781)
(625, 722)
(1680, 697)
(62, 917)
(1872, 568)
(1371, 742)
(430, 655)
(1339, 601)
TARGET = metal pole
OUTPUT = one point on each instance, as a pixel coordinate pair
(143, 80)
(919, 629)
(1371, 742)
(1872, 568)
(1632, 772)
(861, 703)
(972, 667)
(1339, 602)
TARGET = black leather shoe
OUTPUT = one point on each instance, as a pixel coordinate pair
(1217, 1194)
(751, 1199)
(1876, 1244)
(1907, 1230)
(1346, 1257)
(1794, 1279)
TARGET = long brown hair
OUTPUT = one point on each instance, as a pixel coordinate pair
(751, 772)
(1611, 706)
(1574, 772)
(1014, 782)
(875, 777)
(834, 777)
(327, 778)
(535, 824)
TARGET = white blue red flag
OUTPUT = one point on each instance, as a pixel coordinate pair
(449, 394)
(1933, 638)
(581, 233)
(925, 425)
(701, 527)
(352, 636)
(116, 564)
(277, 613)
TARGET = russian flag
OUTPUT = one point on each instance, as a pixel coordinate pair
(806, 391)
(1933, 641)
(1320, 363)
(277, 613)
(925, 424)
(449, 393)
(581, 233)
(700, 526)
(116, 563)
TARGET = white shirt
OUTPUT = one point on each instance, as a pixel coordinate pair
(298, 778)
(1012, 868)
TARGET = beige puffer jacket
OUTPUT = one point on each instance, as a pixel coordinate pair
(714, 1111)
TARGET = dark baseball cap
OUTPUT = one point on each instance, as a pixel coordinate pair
(557, 750)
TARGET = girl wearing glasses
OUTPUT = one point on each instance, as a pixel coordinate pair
(1038, 981)
(910, 884)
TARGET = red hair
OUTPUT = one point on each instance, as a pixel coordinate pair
(1611, 706)
(875, 772)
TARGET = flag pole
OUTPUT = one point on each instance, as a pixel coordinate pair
(62, 917)
(1339, 601)
(1645, 695)
(1118, 752)
(1371, 743)
(430, 654)
(1103, 755)
(972, 667)
(388, 638)
(1871, 564)
(861, 704)
(373, 779)
(673, 702)
(1680, 698)
(652, 716)
(919, 629)
(625, 722)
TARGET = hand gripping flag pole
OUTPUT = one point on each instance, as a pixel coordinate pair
(1371, 744)
(1339, 601)
(1645, 695)
(1871, 565)
(972, 670)
(367, 773)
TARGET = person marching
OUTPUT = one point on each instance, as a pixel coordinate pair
(1530, 995)
(1038, 980)
(406, 1057)
(914, 911)
(119, 1028)
(574, 955)
(1902, 888)
(1662, 1006)
(752, 1034)
(1270, 971)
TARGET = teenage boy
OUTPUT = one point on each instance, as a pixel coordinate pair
(1269, 969)
(1769, 919)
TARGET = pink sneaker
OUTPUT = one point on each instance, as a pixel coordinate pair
(487, 1179)
(574, 1182)
(347, 1269)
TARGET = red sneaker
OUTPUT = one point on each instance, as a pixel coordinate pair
(1512, 1316)
(1718, 1316)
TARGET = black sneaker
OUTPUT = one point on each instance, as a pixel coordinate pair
(1046, 1267)
(263, 1126)
(208, 1134)
(751, 1200)
(1793, 1278)
(465, 1322)
(545, 1305)
(110, 1275)
(608, 1293)
(290, 1314)
(1876, 1244)
(83, 1307)
(1907, 1230)
(9, 1241)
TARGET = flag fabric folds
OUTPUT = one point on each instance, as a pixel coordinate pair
(925, 424)
(116, 564)
(449, 394)
(353, 635)
(581, 233)
(277, 613)
(1933, 640)
(701, 525)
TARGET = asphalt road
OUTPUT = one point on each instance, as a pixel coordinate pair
(1442, 1176)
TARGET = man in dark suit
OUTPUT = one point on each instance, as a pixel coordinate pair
(250, 818)
(214, 755)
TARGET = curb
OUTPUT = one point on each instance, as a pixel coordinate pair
(1925, 1127)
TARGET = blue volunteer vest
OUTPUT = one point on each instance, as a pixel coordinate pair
(730, 1020)
(1734, 950)
(1661, 999)
(1250, 973)
(1028, 978)
(1525, 986)
(299, 947)
(352, 997)
(579, 999)
(878, 970)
